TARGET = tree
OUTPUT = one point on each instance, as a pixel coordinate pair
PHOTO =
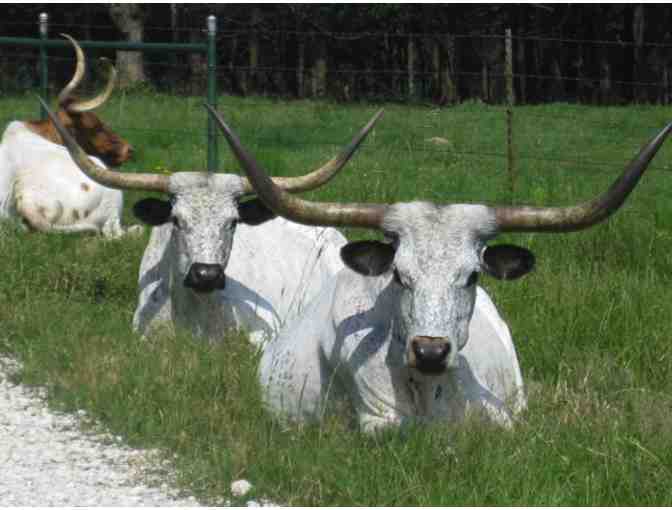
(129, 19)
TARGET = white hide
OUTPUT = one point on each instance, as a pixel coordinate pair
(272, 271)
(351, 344)
(39, 178)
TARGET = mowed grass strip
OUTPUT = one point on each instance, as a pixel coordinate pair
(591, 323)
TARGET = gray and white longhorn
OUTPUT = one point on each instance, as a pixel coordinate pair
(217, 260)
(396, 334)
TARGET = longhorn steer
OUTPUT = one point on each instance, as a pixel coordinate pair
(215, 260)
(390, 334)
(39, 183)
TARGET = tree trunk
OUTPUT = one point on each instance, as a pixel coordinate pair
(237, 76)
(255, 19)
(448, 71)
(521, 68)
(484, 81)
(521, 71)
(300, 66)
(410, 60)
(639, 93)
(129, 20)
(436, 69)
(605, 81)
(557, 84)
(174, 19)
(319, 74)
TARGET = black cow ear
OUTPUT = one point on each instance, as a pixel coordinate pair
(368, 258)
(153, 211)
(507, 261)
(254, 212)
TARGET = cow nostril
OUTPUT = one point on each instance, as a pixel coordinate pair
(208, 272)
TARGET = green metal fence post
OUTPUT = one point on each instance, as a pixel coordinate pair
(212, 91)
(44, 70)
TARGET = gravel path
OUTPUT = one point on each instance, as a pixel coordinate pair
(47, 460)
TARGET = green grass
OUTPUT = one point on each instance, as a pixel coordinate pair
(591, 324)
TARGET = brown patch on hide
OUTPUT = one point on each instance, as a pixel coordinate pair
(90, 132)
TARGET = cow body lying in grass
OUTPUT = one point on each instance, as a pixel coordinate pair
(400, 335)
(217, 258)
(274, 268)
(39, 183)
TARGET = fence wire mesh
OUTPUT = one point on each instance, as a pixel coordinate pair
(438, 72)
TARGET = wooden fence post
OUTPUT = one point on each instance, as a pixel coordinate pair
(510, 100)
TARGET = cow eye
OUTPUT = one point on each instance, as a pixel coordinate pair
(473, 278)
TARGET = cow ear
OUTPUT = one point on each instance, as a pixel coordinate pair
(368, 258)
(254, 212)
(153, 211)
(507, 261)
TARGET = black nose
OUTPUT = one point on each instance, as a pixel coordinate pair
(205, 277)
(430, 354)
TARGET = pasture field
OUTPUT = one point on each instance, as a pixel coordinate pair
(592, 323)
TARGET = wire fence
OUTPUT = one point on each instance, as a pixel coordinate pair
(435, 71)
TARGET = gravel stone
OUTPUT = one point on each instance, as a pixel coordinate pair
(47, 460)
(240, 487)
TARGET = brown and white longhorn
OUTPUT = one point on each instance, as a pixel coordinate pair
(40, 185)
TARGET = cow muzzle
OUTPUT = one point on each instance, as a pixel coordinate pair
(205, 277)
(430, 355)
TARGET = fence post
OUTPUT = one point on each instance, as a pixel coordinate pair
(212, 91)
(44, 70)
(510, 100)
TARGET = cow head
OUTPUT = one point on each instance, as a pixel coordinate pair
(76, 115)
(434, 256)
(436, 252)
(203, 208)
(203, 211)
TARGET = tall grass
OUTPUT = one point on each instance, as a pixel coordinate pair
(592, 323)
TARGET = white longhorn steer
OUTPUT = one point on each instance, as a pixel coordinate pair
(216, 260)
(396, 333)
(40, 185)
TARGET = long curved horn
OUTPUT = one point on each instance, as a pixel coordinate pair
(325, 173)
(80, 69)
(103, 176)
(586, 214)
(303, 211)
(95, 102)
(317, 177)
